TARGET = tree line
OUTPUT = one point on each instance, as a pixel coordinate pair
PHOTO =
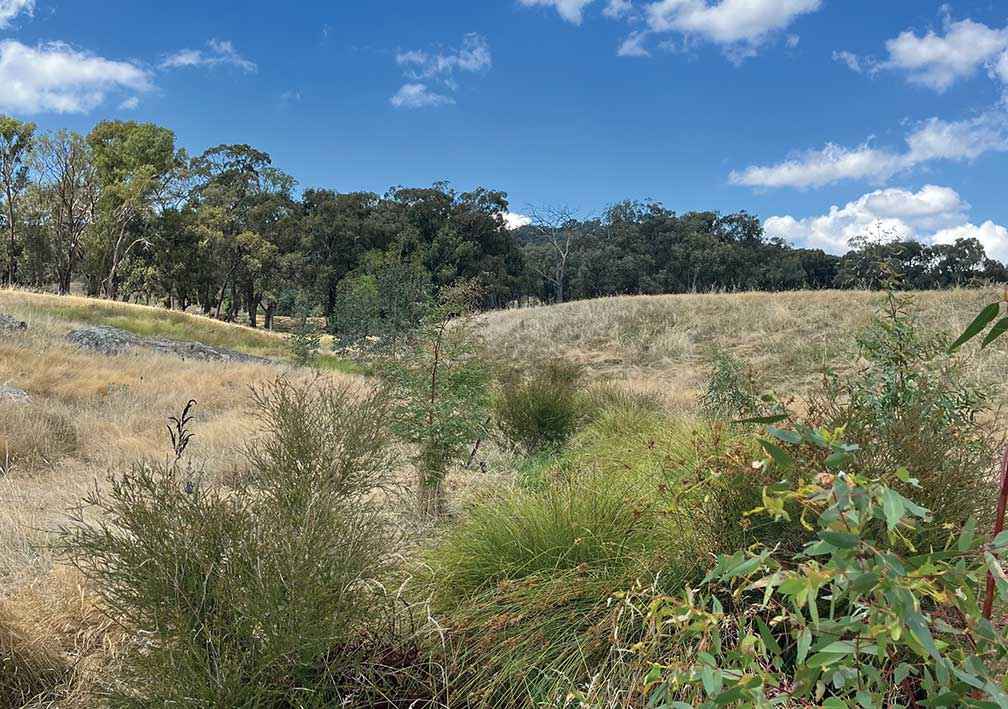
(126, 214)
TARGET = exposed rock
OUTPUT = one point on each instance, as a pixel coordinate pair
(107, 340)
(18, 396)
(113, 341)
(11, 324)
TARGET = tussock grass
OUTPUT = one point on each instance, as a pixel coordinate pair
(527, 582)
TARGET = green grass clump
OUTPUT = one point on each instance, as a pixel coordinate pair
(540, 408)
(527, 582)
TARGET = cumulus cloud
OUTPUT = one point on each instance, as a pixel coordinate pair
(933, 139)
(9, 9)
(419, 96)
(932, 215)
(514, 220)
(439, 68)
(938, 61)
(570, 10)
(994, 238)
(57, 78)
(728, 21)
(217, 53)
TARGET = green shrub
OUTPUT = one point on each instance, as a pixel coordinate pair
(258, 595)
(858, 617)
(733, 390)
(540, 409)
(914, 405)
(304, 343)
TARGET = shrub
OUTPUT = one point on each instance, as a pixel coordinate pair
(304, 343)
(914, 405)
(257, 595)
(733, 390)
(859, 617)
(540, 409)
(440, 381)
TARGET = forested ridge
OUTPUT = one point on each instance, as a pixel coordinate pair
(126, 214)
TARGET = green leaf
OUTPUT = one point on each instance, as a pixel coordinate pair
(839, 647)
(1001, 540)
(967, 535)
(780, 456)
(784, 435)
(841, 540)
(921, 633)
(804, 643)
(764, 419)
(712, 681)
(768, 638)
(976, 327)
(864, 582)
(834, 703)
(995, 332)
(892, 505)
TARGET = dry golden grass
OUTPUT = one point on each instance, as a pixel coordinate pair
(664, 344)
(90, 415)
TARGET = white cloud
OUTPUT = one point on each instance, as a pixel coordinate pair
(739, 25)
(9, 9)
(860, 65)
(419, 96)
(999, 69)
(817, 168)
(473, 56)
(616, 9)
(633, 46)
(792, 41)
(514, 220)
(933, 139)
(932, 215)
(570, 10)
(218, 52)
(439, 67)
(994, 238)
(938, 61)
(57, 78)
(130, 104)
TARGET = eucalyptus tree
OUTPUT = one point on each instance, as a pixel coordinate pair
(16, 138)
(133, 162)
(67, 194)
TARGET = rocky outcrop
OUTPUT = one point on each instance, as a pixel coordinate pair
(11, 324)
(113, 341)
(107, 340)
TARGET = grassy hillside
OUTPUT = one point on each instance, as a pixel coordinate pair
(91, 414)
(666, 343)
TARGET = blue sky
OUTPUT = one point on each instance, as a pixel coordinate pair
(827, 118)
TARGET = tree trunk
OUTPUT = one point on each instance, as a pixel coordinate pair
(431, 498)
